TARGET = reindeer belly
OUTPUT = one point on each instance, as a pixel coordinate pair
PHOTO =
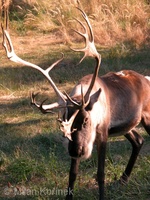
(122, 126)
(125, 115)
(121, 129)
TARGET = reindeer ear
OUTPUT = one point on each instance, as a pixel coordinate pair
(93, 99)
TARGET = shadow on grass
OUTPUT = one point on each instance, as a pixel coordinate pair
(7, 104)
(44, 141)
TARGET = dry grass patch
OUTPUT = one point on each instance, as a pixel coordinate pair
(113, 21)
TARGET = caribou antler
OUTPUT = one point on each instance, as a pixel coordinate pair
(65, 126)
(8, 46)
(89, 50)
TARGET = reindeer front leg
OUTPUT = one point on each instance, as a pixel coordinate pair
(72, 177)
(101, 148)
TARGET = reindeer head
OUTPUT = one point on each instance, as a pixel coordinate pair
(82, 130)
(76, 109)
(77, 123)
(80, 143)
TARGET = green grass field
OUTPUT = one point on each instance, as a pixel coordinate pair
(34, 162)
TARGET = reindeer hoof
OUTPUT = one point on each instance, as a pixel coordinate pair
(124, 179)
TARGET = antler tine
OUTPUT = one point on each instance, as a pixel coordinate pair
(82, 95)
(4, 43)
(33, 102)
(6, 18)
(4, 13)
(85, 36)
(88, 23)
(83, 103)
(55, 63)
(44, 111)
(72, 101)
(43, 108)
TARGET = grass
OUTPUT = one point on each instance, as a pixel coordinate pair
(34, 162)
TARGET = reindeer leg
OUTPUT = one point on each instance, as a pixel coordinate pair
(146, 123)
(101, 147)
(137, 141)
(72, 177)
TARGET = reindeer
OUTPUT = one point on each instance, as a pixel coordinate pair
(96, 108)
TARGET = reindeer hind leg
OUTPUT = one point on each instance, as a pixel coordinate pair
(136, 141)
(146, 122)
